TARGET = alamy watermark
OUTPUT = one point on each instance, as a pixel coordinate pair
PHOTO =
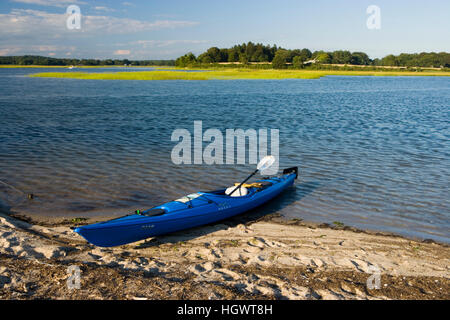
(232, 149)
(74, 279)
(374, 20)
(74, 19)
(374, 281)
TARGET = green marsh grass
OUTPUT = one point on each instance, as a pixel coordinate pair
(231, 74)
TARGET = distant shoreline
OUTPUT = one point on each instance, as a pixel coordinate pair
(250, 65)
(12, 66)
(230, 74)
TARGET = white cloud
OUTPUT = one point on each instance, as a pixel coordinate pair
(166, 43)
(27, 31)
(44, 24)
(47, 50)
(113, 25)
(128, 4)
(51, 3)
(23, 22)
(122, 52)
(106, 9)
(8, 51)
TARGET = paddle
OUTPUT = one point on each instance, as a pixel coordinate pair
(264, 164)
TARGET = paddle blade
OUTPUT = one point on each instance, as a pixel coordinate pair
(265, 163)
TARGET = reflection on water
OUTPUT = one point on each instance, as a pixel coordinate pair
(373, 152)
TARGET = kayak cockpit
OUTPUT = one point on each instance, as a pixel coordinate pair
(152, 212)
(251, 188)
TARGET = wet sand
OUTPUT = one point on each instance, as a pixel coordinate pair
(253, 260)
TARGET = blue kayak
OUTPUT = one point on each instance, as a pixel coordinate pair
(190, 211)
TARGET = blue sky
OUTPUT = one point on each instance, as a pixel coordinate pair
(156, 29)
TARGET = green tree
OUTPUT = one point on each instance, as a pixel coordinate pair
(243, 58)
(187, 60)
(297, 62)
(306, 54)
(389, 60)
(280, 59)
(341, 57)
(233, 54)
(215, 54)
(205, 58)
(259, 55)
(323, 58)
(360, 58)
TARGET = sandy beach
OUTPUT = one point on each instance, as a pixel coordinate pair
(230, 260)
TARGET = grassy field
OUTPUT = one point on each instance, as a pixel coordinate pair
(229, 74)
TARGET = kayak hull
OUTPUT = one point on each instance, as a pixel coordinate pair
(207, 207)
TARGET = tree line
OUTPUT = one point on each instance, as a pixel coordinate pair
(47, 61)
(298, 58)
(253, 53)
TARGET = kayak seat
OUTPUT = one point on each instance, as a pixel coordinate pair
(242, 191)
(263, 185)
(153, 212)
(258, 184)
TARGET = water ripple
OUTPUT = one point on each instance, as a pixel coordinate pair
(373, 151)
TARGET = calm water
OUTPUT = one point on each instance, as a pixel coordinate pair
(374, 152)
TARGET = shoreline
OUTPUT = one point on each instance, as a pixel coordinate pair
(12, 66)
(50, 222)
(228, 74)
(223, 261)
